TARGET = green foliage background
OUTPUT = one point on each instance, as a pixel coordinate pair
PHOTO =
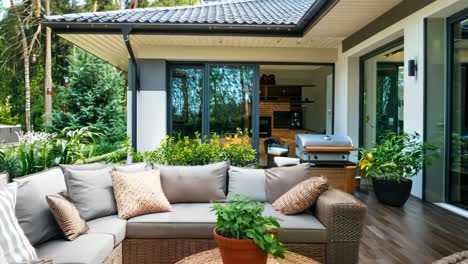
(11, 66)
(95, 97)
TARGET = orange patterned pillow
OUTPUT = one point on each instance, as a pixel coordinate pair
(67, 216)
(301, 196)
(139, 193)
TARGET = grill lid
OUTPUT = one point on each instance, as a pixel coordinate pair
(324, 143)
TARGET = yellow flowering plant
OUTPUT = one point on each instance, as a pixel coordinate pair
(396, 157)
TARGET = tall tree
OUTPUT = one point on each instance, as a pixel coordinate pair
(48, 71)
(23, 23)
(95, 97)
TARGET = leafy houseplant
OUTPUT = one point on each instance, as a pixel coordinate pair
(392, 163)
(245, 236)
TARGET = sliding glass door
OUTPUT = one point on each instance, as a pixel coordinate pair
(212, 99)
(458, 70)
(186, 95)
(382, 93)
(231, 88)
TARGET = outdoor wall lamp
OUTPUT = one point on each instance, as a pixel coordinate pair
(412, 68)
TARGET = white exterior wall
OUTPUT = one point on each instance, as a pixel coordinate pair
(347, 73)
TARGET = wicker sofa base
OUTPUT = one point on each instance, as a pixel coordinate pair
(169, 251)
(116, 256)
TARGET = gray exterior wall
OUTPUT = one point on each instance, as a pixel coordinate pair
(151, 105)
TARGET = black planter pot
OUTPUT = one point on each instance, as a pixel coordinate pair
(392, 193)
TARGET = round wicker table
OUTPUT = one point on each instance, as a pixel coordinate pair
(213, 257)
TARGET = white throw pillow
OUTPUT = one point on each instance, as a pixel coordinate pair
(14, 244)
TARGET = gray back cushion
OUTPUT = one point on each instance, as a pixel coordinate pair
(249, 183)
(134, 167)
(32, 209)
(279, 180)
(194, 184)
(3, 179)
(89, 166)
(91, 191)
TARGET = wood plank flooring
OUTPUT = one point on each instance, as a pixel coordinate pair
(417, 233)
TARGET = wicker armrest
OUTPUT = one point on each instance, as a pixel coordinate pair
(343, 216)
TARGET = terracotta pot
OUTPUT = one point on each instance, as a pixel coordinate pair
(236, 251)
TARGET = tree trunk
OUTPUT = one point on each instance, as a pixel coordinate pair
(48, 72)
(95, 6)
(24, 45)
(37, 8)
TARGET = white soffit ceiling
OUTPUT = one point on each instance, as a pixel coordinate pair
(349, 16)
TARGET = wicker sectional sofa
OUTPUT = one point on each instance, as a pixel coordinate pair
(329, 233)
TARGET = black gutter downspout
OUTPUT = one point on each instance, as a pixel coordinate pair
(134, 85)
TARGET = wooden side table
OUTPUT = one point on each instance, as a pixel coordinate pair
(214, 257)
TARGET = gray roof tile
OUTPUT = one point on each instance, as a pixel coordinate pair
(251, 12)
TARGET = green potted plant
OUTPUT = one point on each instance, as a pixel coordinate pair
(392, 163)
(243, 235)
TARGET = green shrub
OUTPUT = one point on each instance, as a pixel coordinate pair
(239, 154)
(95, 97)
(6, 117)
(37, 151)
(193, 151)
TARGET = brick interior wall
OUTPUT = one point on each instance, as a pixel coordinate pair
(267, 109)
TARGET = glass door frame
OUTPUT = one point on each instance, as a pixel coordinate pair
(255, 92)
(362, 60)
(206, 96)
(458, 17)
(169, 79)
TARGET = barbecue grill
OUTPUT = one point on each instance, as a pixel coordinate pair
(323, 148)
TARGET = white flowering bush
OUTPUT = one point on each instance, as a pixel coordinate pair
(37, 151)
(34, 137)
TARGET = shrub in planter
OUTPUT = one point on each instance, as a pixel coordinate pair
(243, 235)
(193, 151)
(392, 163)
(185, 151)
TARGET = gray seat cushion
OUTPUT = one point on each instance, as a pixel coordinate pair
(186, 220)
(85, 249)
(197, 221)
(300, 228)
(111, 225)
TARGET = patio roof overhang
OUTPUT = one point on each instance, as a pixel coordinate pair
(292, 20)
(298, 30)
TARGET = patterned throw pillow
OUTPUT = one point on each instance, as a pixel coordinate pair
(139, 193)
(67, 216)
(301, 196)
(13, 243)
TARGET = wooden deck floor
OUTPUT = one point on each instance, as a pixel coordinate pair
(417, 233)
